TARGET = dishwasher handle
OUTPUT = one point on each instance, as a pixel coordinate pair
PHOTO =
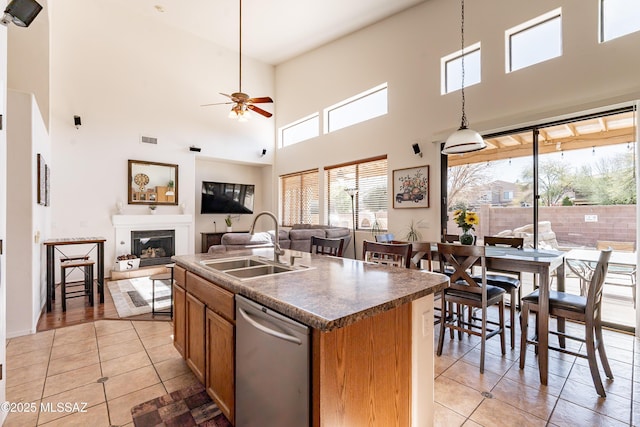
(268, 331)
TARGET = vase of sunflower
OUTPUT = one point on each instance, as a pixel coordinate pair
(466, 220)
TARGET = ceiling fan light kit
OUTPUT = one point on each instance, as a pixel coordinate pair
(242, 102)
(464, 140)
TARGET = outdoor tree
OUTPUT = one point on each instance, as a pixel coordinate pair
(463, 183)
(555, 180)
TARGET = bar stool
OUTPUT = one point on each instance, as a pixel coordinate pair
(162, 277)
(66, 258)
(87, 284)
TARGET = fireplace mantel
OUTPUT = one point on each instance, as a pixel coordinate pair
(125, 224)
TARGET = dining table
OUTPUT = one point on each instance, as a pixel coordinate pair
(543, 263)
(57, 244)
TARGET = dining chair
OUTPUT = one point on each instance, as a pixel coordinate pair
(628, 273)
(325, 246)
(465, 291)
(398, 255)
(585, 309)
(506, 279)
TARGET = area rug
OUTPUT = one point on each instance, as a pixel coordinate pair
(133, 296)
(187, 407)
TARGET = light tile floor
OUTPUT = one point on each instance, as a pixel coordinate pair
(104, 368)
(69, 365)
(505, 395)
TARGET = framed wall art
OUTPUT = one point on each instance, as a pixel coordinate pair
(47, 185)
(42, 181)
(411, 187)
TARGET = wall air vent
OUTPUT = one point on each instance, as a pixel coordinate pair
(148, 140)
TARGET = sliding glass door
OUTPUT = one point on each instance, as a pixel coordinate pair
(567, 185)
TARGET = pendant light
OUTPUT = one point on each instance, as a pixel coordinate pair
(464, 140)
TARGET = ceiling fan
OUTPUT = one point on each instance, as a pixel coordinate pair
(242, 102)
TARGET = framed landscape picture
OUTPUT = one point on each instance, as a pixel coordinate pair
(411, 187)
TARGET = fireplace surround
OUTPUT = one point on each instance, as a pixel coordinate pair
(182, 225)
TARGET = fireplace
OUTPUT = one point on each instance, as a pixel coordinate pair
(153, 247)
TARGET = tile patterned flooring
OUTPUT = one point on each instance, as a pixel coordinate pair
(505, 395)
(69, 366)
(66, 365)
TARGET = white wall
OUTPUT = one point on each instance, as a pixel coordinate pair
(126, 77)
(405, 51)
(26, 272)
(3, 215)
(28, 49)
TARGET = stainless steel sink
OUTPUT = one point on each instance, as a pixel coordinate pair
(230, 264)
(263, 270)
(250, 267)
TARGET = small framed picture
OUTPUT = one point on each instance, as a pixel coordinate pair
(42, 181)
(411, 187)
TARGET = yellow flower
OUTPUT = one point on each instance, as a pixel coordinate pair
(472, 218)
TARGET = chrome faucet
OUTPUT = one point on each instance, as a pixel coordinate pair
(277, 251)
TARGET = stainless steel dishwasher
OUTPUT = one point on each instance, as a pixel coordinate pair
(272, 368)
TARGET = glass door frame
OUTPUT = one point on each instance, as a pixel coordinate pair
(535, 129)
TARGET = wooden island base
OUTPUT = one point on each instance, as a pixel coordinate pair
(367, 373)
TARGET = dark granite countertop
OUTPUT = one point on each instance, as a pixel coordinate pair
(332, 293)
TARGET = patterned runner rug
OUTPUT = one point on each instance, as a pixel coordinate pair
(188, 407)
(133, 296)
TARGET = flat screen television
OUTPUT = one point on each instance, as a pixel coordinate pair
(226, 198)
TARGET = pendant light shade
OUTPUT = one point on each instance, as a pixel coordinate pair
(464, 140)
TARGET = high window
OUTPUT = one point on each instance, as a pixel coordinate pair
(451, 69)
(300, 130)
(369, 178)
(359, 108)
(534, 41)
(300, 198)
(618, 18)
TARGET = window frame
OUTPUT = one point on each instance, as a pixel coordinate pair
(525, 26)
(326, 126)
(283, 129)
(601, 25)
(300, 218)
(476, 47)
(358, 164)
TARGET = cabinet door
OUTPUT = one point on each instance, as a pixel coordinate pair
(179, 317)
(220, 363)
(195, 336)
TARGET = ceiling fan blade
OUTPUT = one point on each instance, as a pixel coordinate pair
(259, 110)
(224, 94)
(217, 103)
(260, 100)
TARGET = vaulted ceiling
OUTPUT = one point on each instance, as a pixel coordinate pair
(273, 30)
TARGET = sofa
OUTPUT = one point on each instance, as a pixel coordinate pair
(296, 238)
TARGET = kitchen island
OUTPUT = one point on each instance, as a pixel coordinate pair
(371, 333)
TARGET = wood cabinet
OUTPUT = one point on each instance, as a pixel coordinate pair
(179, 324)
(195, 336)
(179, 309)
(204, 333)
(220, 381)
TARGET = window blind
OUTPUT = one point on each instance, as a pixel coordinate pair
(369, 178)
(300, 195)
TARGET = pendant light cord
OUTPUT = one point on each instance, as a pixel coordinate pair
(240, 50)
(463, 124)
